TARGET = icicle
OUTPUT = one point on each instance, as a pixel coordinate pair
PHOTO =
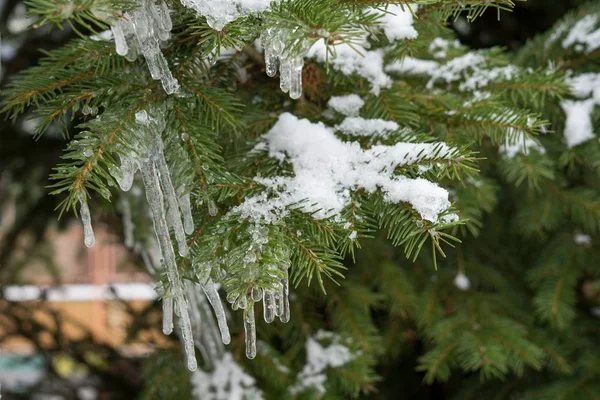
(284, 298)
(186, 209)
(125, 173)
(165, 16)
(215, 301)
(128, 227)
(212, 208)
(173, 214)
(250, 330)
(269, 306)
(186, 333)
(277, 301)
(86, 219)
(155, 201)
(270, 62)
(144, 20)
(167, 307)
(296, 77)
(257, 293)
(120, 41)
(285, 75)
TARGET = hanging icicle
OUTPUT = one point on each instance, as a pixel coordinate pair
(250, 330)
(86, 219)
(142, 31)
(167, 308)
(290, 65)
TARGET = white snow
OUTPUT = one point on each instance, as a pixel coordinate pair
(227, 381)
(520, 145)
(462, 282)
(326, 169)
(318, 359)
(354, 59)
(348, 105)
(357, 126)
(397, 22)
(584, 35)
(413, 66)
(582, 239)
(578, 124)
(439, 47)
(220, 13)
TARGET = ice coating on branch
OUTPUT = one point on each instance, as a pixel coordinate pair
(319, 357)
(220, 13)
(348, 105)
(250, 330)
(141, 31)
(290, 65)
(167, 308)
(326, 169)
(227, 381)
(357, 126)
(579, 125)
(86, 219)
(584, 35)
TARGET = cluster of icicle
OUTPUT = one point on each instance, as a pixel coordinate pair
(275, 300)
(290, 67)
(143, 31)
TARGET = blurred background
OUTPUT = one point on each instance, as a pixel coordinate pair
(75, 323)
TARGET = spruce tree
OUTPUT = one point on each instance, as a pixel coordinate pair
(323, 188)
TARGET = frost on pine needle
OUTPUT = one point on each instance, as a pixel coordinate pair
(319, 357)
(227, 381)
(220, 13)
(348, 105)
(326, 170)
(86, 219)
(142, 31)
